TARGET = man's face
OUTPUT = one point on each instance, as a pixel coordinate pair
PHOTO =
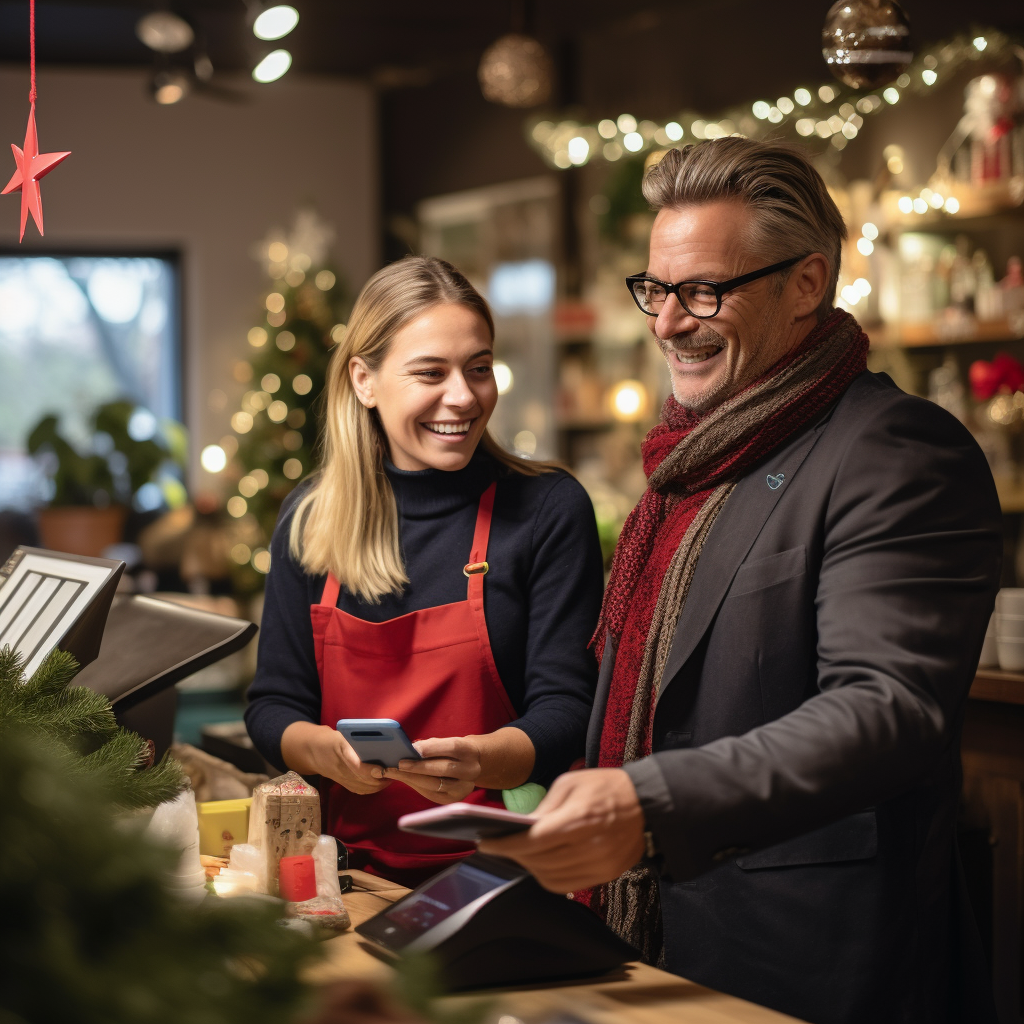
(711, 360)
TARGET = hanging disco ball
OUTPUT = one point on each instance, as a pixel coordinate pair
(866, 43)
(516, 71)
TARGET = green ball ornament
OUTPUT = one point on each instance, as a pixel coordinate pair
(523, 799)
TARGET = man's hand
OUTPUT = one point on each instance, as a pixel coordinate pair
(312, 749)
(591, 829)
(448, 772)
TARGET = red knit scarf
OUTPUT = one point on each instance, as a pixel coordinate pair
(687, 459)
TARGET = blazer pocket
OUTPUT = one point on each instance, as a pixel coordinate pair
(767, 572)
(852, 838)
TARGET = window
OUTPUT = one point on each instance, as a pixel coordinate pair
(77, 331)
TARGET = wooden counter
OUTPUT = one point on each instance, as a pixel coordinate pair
(635, 995)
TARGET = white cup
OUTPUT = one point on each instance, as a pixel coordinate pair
(1010, 601)
(1011, 654)
(1010, 626)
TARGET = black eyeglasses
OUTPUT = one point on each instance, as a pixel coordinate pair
(702, 299)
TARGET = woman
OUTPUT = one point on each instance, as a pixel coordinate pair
(428, 576)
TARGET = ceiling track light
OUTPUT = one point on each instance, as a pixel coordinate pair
(165, 32)
(273, 21)
(272, 67)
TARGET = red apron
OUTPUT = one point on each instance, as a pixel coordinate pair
(431, 670)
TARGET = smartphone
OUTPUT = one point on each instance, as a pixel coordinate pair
(378, 741)
(467, 822)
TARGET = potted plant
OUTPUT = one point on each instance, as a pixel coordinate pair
(92, 490)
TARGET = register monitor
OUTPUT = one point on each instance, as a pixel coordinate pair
(487, 922)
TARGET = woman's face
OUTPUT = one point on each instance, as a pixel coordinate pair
(435, 389)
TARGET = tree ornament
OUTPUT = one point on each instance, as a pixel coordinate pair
(866, 43)
(515, 71)
(31, 165)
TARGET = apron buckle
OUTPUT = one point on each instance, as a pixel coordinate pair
(475, 569)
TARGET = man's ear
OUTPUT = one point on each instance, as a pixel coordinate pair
(362, 381)
(808, 283)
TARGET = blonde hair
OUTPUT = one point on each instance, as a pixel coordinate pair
(793, 213)
(348, 522)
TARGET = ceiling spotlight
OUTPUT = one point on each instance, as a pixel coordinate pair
(275, 22)
(170, 87)
(273, 66)
(164, 32)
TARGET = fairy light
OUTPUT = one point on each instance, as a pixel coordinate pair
(213, 458)
(552, 138)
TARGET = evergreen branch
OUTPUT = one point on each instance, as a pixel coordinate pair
(118, 769)
(82, 724)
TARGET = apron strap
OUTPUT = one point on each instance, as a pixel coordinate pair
(481, 537)
(478, 561)
(331, 590)
(478, 554)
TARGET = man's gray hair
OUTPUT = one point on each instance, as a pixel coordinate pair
(793, 213)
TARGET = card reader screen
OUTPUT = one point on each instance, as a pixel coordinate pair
(440, 899)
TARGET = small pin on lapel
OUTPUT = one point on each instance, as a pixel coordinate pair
(776, 480)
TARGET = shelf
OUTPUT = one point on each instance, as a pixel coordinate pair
(580, 426)
(925, 335)
(1011, 494)
(992, 684)
(978, 203)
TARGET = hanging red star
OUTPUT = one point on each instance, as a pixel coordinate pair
(31, 166)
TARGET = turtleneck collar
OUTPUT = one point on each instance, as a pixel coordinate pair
(432, 493)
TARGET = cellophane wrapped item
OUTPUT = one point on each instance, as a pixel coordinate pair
(284, 822)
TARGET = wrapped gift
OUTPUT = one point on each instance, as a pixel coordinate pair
(284, 821)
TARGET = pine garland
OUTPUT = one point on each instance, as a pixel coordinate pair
(83, 731)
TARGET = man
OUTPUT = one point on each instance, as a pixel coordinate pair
(792, 623)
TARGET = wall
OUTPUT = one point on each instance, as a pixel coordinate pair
(206, 177)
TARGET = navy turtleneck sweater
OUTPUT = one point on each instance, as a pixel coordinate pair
(542, 596)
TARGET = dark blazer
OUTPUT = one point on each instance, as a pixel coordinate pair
(806, 768)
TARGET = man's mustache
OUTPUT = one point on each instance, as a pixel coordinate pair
(704, 337)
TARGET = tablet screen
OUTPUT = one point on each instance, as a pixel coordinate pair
(440, 899)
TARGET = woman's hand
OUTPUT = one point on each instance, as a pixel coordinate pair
(454, 766)
(313, 749)
(448, 772)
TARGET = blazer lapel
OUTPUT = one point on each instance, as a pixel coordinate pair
(731, 537)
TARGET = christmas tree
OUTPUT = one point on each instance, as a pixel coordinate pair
(276, 429)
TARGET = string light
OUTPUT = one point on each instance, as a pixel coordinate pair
(502, 377)
(829, 113)
(213, 458)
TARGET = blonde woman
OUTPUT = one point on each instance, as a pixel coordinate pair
(425, 575)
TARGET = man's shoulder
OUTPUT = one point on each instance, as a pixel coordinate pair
(873, 406)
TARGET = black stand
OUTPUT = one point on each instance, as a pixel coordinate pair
(522, 934)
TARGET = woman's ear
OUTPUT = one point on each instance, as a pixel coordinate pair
(362, 381)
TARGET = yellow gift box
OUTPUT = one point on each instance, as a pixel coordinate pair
(222, 823)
